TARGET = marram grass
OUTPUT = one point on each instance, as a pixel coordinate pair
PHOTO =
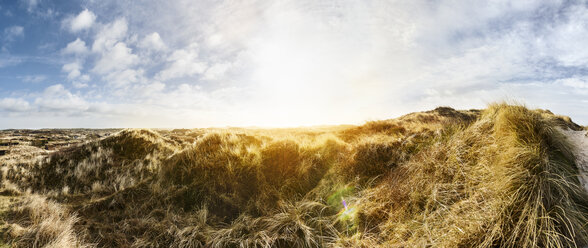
(500, 177)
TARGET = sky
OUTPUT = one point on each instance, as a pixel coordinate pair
(205, 63)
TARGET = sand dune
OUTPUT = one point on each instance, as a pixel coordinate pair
(580, 140)
(504, 176)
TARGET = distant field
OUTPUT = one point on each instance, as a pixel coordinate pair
(504, 176)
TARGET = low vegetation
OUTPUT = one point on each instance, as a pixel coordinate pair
(500, 177)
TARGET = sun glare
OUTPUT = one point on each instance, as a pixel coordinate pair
(285, 76)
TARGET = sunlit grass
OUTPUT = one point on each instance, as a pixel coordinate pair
(501, 177)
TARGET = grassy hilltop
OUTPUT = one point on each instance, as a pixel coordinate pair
(499, 177)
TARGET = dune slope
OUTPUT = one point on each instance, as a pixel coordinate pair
(506, 176)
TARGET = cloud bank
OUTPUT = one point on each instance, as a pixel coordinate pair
(276, 63)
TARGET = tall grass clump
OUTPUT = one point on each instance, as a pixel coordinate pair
(110, 164)
(236, 173)
(219, 170)
(38, 222)
(547, 206)
(301, 224)
(506, 180)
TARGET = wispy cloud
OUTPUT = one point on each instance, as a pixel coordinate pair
(31, 5)
(33, 78)
(291, 62)
(7, 60)
(11, 34)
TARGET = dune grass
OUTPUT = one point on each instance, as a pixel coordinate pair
(42, 223)
(507, 180)
(501, 177)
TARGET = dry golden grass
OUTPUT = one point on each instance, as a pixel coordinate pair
(43, 223)
(507, 180)
(501, 177)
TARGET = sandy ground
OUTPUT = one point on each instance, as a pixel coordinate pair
(580, 139)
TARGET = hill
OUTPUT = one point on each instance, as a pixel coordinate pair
(505, 176)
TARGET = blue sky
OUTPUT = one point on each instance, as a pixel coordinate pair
(283, 63)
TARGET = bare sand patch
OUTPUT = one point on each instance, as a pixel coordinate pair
(580, 141)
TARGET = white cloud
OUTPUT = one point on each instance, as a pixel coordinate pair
(575, 83)
(84, 78)
(84, 20)
(148, 91)
(75, 76)
(81, 81)
(217, 71)
(77, 46)
(57, 98)
(14, 104)
(110, 34)
(348, 59)
(152, 42)
(289, 62)
(122, 78)
(116, 58)
(183, 62)
(565, 41)
(73, 69)
(80, 85)
(116, 61)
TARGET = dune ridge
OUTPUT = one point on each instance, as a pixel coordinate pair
(505, 176)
